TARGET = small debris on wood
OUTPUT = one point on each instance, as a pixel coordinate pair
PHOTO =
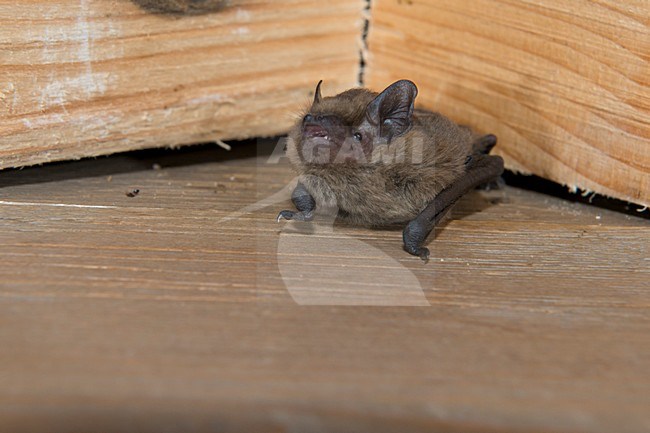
(109, 178)
(232, 178)
(156, 167)
(133, 192)
(222, 144)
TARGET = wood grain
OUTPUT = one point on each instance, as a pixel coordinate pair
(158, 312)
(564, 84)
(83, 78)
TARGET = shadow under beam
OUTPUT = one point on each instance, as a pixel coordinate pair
(130, 162)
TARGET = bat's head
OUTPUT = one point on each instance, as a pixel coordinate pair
(346, 128)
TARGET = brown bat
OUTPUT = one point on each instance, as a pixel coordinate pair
(376, 160)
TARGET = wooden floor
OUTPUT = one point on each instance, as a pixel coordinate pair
(188, 308)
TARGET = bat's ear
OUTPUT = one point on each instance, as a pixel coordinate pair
(393, 108)
(317, 95)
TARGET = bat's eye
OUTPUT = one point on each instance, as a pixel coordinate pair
(358, 136)
(308, 118)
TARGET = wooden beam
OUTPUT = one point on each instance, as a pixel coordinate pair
(83, 78)
(563, 83)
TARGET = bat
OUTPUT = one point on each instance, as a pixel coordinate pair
(373, 159)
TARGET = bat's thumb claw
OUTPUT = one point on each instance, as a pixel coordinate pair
(285, 214)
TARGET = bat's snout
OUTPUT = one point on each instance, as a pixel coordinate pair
(311, 130)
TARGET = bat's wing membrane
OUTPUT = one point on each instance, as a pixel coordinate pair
(481, 169)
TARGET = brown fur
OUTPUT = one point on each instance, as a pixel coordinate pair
(369, 190)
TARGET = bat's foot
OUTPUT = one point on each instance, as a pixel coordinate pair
(285, 214)
(421, 252)
(414, 236)
(295, 216)
(484, 144)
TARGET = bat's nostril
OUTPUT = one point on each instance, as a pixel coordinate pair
(319, 118)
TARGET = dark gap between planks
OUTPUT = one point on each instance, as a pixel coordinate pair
(209, 152)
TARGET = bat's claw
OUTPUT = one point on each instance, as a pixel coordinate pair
(295, 216)
(421, 252)
(285, 214)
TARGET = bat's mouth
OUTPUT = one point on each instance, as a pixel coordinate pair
(311, 130)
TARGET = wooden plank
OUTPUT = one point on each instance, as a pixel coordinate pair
(154, 311)
(564, 84)
(83, 78)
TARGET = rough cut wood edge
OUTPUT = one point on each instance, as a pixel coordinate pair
(564, 84)
(83, 78)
